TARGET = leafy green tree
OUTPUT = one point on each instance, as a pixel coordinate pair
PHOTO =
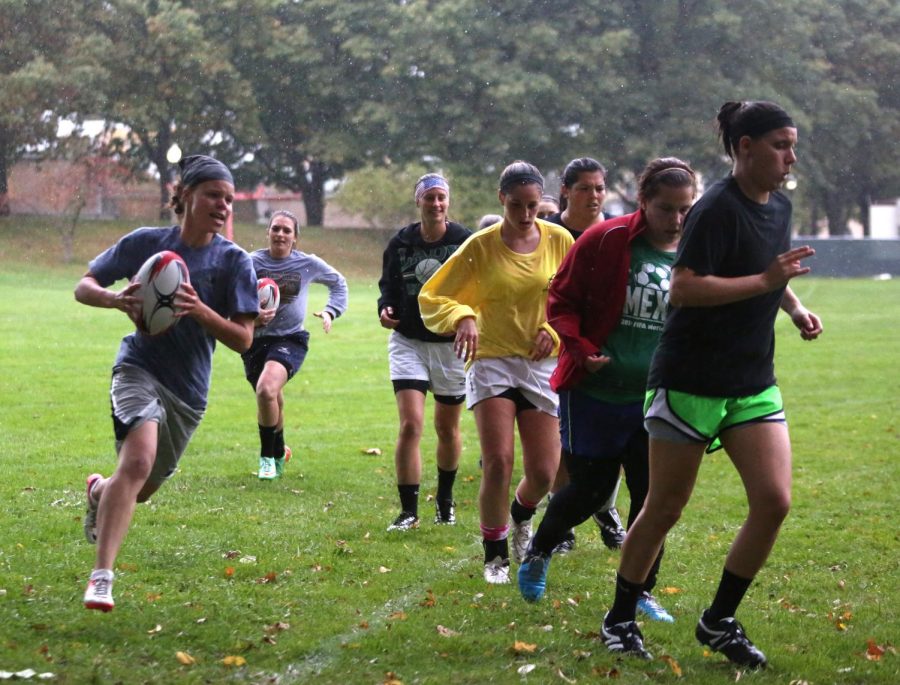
(169, 81)
(45, 73)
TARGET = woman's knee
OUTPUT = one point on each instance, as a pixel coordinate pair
(410, 428)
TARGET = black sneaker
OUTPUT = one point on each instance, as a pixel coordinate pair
(610, 526)
(445, 512)
(404, 521)
(624, 638)
(727, 636)
(567, 544)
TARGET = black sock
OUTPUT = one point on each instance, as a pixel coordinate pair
(409, 498)
(494, 549)
(731, 591)
(266, 441)
(520, 513)
(445, 485)
(624, 606)
(279, 444)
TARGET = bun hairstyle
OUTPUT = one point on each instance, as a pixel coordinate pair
(573, 172)
(665, 171)
(520, 173)
(754, 119)
(195, 169)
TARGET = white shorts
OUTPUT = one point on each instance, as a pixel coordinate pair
(138, 397)
(487, 378)
(434, 362)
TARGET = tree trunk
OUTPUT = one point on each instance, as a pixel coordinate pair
(865, 202)
(837, 214)
(4, 181)
(313, 183)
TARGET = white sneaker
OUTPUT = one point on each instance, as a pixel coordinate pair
(90, 517)
(267, 470)
(496, 571)
(519, 537)
(99, 591)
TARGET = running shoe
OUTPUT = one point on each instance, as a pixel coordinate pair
(649, 605)
(445, 512)
(90, 517)
(496, 571)
(267, 468)
(728, 637)
(99, 591)
(281, 461)
(519, 536)
(533, 576)
(610, 526)
(624, 638)
(404, 521)
(567, 544)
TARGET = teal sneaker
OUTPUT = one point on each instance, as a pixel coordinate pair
(533, 576)
(281, 461)
(267, 468)
(648, 604)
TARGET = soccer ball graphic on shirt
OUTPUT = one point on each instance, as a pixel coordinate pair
(653, 276)
(426, 268)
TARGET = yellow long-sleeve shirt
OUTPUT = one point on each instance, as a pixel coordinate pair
(505, 291)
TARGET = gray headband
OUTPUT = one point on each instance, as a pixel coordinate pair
(196, 169)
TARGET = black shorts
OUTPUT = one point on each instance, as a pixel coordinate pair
(287, 350)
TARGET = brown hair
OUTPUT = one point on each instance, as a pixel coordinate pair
(665, 171)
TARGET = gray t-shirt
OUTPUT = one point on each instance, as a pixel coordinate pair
(223, 276)
(294, 274)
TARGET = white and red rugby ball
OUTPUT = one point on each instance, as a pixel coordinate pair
(160, 277)
(269, 295)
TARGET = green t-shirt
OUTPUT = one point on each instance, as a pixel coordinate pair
(631, 344)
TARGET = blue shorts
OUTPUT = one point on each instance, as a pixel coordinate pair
(287, 350)
(589, 427)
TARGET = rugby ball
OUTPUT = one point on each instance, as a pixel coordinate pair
(159, 279)
(269, 295)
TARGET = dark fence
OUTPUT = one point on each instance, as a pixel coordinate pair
(852, 258)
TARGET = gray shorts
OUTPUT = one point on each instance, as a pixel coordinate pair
(138, 397)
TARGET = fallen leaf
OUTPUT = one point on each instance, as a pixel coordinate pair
(232, 554)
(229, 571)
(520, 647)
(277, 627)
(200, 621)
(525, 669)
(153, 596)
(235, 661)
(429, 600)
(676, 668)
(390, 678)
(603, 673)
(581, 654)
(669, 590)
(874, 651)
(397, 616)
(446, 632)
(267, 579)
(185, 659)
(384, 569)
(157, 629)
(364, 625)
(375, 451)
(547, 629)
(247, 559)
(563, 676)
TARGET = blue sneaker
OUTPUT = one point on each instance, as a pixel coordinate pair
(533, 576)
(648, 605)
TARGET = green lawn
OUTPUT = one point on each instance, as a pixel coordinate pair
(298, 578)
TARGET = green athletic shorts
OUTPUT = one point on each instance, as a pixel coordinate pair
(683, 417)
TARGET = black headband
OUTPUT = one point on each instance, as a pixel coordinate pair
(199, 168)
(522, 178)
(763, 123)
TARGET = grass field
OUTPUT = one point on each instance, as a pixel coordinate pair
(296, 580)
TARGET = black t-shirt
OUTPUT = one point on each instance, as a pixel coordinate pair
(727, 350)
(408, 262)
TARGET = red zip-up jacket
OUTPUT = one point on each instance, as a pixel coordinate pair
(587, 294)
